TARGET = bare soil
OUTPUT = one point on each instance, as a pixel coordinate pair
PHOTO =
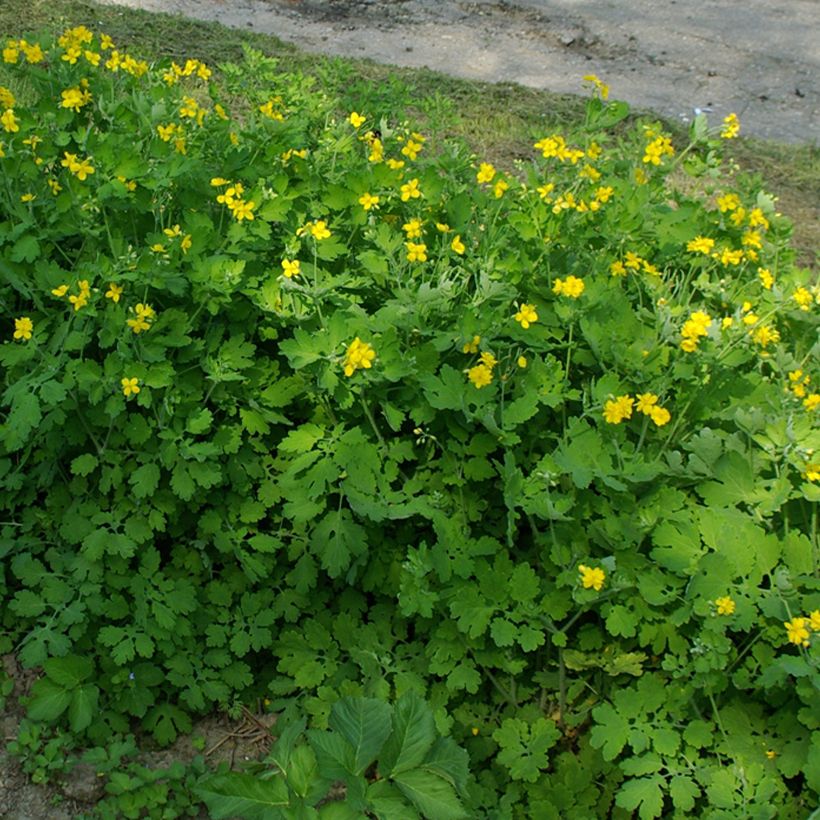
(757, 58)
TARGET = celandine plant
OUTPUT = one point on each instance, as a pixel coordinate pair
(298, 405)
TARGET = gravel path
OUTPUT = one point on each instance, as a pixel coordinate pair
(757, 58)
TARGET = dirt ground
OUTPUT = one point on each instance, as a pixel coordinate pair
(757, 58)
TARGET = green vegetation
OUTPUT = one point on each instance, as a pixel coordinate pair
(435, 456)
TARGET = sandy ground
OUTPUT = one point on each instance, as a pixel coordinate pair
(758, 58)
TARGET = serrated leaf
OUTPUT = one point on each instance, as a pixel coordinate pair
(334, 754)
(448, 760)
(365, 724)
(644, 794)
(145, 480)
(683, 791)
(432, 796)
(388, 802)
(610, 732)
(414, 733)
(445, 391)
(243, 795)
(337, 540)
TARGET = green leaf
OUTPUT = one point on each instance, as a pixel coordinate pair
(243, 795)
(611, 731)
(414, 732)
(145, 480)
(69, 671)
(433, 796)
(683, 791)
(181, 482)
(83, 707)
(48, 700)
(333, 753)
(303, 770)
(302, 439)
(388, 802)
(524, 747)
(448, 760)
(336, 540)
(84, 464)
(445, 391)
(644, 794)
(365, 723)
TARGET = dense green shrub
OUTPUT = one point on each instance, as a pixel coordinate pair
(299, 406)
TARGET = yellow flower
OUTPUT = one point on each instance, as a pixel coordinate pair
(765, 335)
(592, 577)
(526, 315)
(472, 347)
(411, 149)
(731, 127)
(9, 121)
(660, 415)
(617, 269)
(701, 244)
(812, 401)
(395, 164)
(725, 606)
(632, 260)
(79, 301)
(522, 361)
(412, 228)
(185, 243)
(480, 375)
(410, 190)
(319, 229)
(796, 631)
(291, 267)
(28, 197)
(646, 401)
(457, 245)
(139, 324)
(244, 210)
(60, 291)
(803, 298)
(158, 247)
(572, 286)
(499, 188)
(728, 202)
(359, 355)
(23, 328)
(368, 201)
(814, 620)
(75, 98)
(416, 252)
(766, 278)
(811, 472)
(356, 119)
(486, 172)
(597, 85)
(6, 98)
(615, 411)
(488, 360)
(130, 387)
(114, 292)
(544, 191)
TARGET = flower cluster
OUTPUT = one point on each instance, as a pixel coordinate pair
(191, 68)
(696, 326)
(77, 97)
(359, 355)
(731, 127)
(81, 169)
(481, 374)
(799, 629)
(232, 198)
(618, 409)
(632, 261)
(555, 146)
(317, 229)
(647, 403)
(657, 149)
(144, 316)
(725, 605)
(572, 286)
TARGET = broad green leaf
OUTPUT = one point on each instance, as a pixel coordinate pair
(414, 733)
(48, 700)
(388, 802)
(243, 795)
(365, 723)
(432, 796)
(69, 671)
(333, 753)
(683, 791)
(445, 391)
(448, 760)
(82, 708)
